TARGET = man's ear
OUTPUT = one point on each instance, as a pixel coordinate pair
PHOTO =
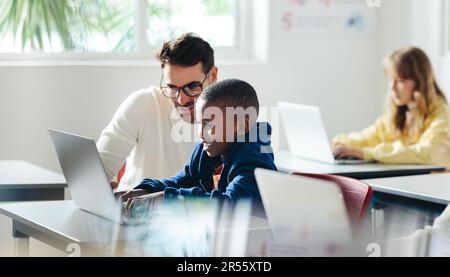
(213, 75)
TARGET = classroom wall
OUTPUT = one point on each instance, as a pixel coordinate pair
(343, 76)
(416, 23)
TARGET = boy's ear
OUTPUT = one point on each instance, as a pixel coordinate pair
(242, 125)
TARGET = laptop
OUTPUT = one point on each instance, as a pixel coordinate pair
(306, 135)
(307, 216)
(86, 177)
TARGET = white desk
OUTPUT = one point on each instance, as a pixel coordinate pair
(23, 181)
(424, 196)
(287, 163)
(434, 188)
(61, 224)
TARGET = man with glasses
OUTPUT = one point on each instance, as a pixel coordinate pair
(140, 137)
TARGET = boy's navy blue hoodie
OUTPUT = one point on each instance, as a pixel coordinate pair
(237, 179)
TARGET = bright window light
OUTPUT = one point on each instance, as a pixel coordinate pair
(112, 26)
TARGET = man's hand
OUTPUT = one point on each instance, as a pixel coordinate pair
(343, 152)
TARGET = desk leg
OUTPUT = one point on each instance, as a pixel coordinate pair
(21, 243)
(377, 222)
(21, 247)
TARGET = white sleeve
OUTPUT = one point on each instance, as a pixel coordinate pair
(122, 134)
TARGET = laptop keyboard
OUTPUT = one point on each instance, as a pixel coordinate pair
(352, 161)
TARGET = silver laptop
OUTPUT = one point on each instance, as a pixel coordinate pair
(306, 135)
(305, 214)
(86, 176)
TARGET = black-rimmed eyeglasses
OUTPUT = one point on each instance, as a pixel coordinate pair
(192, 89)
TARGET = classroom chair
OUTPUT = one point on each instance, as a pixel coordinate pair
(356, 193)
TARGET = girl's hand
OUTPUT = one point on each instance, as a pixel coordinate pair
(344, 152)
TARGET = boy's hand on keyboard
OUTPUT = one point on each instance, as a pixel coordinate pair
(123, 196)
(151, 200)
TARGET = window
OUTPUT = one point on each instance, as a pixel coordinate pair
(114, 28)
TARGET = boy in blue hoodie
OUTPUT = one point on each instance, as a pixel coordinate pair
(232, 145)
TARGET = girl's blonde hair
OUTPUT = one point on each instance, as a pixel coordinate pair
(412, 63)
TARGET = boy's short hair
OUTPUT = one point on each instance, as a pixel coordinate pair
(232, 93)
(187, 50)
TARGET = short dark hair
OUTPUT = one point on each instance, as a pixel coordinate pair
(232, 93)
(187, 50)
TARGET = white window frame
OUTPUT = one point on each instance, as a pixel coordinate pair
(144, 52)
(446, 28)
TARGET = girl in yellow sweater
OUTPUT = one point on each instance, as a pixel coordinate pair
(415, 127)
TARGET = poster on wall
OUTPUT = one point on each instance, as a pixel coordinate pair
(327, 18)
